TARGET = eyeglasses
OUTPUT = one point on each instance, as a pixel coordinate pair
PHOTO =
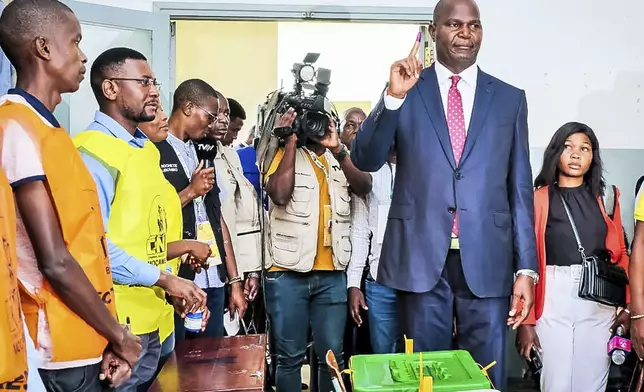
(211, 117)
(145, 82)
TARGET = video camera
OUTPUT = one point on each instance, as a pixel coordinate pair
(308, 99)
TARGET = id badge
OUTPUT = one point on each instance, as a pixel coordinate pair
(327, 225)
(205, 234)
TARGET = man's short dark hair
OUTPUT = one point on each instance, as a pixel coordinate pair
(22, 21)
(192, 90)
(236, 109)
(107, 64)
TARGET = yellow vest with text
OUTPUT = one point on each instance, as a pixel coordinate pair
(175, 233)
(137, 222)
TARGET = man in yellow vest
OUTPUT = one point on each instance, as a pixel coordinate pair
(62, 262)
(135, 200)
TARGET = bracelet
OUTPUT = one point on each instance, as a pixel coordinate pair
(626, 310)
(236, 279)
(254, 275)
(637, 317)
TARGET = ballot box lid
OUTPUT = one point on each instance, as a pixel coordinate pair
(451, 371)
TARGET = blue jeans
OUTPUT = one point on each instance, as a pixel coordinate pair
(146, 365)
(215, 327)
(296, 301)
(383, 322)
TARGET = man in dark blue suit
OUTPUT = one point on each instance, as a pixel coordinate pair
(460, 236)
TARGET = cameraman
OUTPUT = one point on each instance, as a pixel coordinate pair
(308, 249)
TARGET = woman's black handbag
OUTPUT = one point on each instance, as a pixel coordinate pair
(601, 281)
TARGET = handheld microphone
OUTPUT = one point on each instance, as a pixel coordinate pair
(619, 347)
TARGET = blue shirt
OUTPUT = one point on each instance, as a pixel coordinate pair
(248, 159)
(126, 269)
(5, 68)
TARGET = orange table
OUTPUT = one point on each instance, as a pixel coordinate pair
(215, 365)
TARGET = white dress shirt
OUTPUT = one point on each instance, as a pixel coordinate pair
(466, 86)
(366, 227)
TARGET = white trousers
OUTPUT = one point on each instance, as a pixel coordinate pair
(573, 333)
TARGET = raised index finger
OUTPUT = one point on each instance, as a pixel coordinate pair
(414, 49)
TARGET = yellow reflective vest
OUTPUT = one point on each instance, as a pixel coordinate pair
(138, 221)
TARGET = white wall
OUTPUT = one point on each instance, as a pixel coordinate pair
(343, 48)
(577, 59)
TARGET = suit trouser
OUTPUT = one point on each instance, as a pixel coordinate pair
(573, 333)
(428, 318)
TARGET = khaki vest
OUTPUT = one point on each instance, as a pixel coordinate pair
(240, 209)
(293, 229)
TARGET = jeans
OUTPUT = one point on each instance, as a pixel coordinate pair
(147, 363)
(383, 322)
(215, 327)
(78, 379)
(167, 347)
(296, 301)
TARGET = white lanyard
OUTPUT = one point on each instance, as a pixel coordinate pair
(318, 163)
(326, 173)
(392, 169)
(198, 202)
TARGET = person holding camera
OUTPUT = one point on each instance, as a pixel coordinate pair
(308, 248)
(568, 332)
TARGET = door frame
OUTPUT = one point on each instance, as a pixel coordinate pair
(273, 12)
(157, 23)
(280, 12)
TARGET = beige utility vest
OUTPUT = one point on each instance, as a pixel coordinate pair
(240, 209)
(293, 229)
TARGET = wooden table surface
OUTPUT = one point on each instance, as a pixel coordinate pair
(215, 365)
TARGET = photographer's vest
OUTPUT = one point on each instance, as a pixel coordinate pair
(240, 209)
(293, 236)
(75, 199)
(13, 350)
(137, 222)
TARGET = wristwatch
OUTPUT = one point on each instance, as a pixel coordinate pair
(339, 156)
(530, 274)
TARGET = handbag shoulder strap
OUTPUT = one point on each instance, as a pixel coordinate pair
(574, 227)
(609, 201)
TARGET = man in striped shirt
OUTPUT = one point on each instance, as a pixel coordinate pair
(369, 220)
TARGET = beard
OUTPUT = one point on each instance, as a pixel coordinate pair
(139, 116)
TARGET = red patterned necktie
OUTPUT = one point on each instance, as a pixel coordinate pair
(456, 126)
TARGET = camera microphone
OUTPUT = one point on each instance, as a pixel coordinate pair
(619, 347)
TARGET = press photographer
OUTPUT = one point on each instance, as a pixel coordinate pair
(308, 243)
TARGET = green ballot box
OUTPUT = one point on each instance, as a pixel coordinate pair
(450, 371)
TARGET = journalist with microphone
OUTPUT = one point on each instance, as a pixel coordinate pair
(577, 226)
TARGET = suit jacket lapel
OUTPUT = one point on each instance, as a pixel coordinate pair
(482, 100)
(431, 96)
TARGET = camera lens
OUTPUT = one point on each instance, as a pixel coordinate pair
(315, 123)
